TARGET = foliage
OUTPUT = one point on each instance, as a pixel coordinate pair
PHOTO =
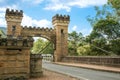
(39, 46)
(106, 31)
(115, 3)
(106, 12)
(74, 41)
(115, 46)
(84, 50)
(108, 28)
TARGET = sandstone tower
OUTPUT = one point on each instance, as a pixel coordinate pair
(60, 24)
(14, 19)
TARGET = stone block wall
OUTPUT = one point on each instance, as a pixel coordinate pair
(36, 65)
(15, 58)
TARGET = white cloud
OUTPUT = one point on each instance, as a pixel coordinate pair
(57, 7)
(37, 1)
(85, 31)
(28, 21)
(2, 14)
(86, 3)
(2, 21)
(74, 28)
(2, 9)
(68, 4)
(33, 1)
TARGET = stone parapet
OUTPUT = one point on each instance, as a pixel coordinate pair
(15, 57)
(16, 41)
(113, 61)
(47, 33)
(63, 18)
(14, 12)
(60, 20)
(36, 28)
(14, 15)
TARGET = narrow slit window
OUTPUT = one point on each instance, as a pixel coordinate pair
(13, 28)
(62, 31)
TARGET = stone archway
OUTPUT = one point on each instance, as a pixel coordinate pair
(58, 35)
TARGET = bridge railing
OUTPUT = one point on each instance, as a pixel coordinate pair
(97, 60)
(47, 57)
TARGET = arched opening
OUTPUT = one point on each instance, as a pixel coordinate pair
(44, 47)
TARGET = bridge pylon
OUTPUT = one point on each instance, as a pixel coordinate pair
(60, 24)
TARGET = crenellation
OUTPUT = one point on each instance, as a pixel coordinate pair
(25, 27)
(30, 27)
(42, 28)
(13, 20)
(14, 12)
(46, 29)
(11, 41)
(60, 17)
(37, 28)
(34, 28)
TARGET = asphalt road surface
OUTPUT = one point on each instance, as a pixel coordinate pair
(81, 73)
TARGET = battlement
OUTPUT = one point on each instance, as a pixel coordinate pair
(36, 28)
(62, 18)
(16, 41)
(14, 12)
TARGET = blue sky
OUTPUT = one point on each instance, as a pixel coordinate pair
(39, 13)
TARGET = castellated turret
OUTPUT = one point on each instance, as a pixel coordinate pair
(60, 23)
(14, 19)
(13, 15)
(60, 20)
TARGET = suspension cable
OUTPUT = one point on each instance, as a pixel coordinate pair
(44, 48)
(102, 49)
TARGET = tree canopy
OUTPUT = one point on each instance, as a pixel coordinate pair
(106, 29)
(42, 46)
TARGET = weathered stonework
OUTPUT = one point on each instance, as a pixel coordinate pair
(14, 19)
(60, 24)
(36, 65)
(15, 58)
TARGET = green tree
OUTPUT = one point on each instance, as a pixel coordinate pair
(74, 41)
(106, 31)
(42, 46)
(115, 4)
(84, 50)
(106, 12)
(115, 46)
(108, 28)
